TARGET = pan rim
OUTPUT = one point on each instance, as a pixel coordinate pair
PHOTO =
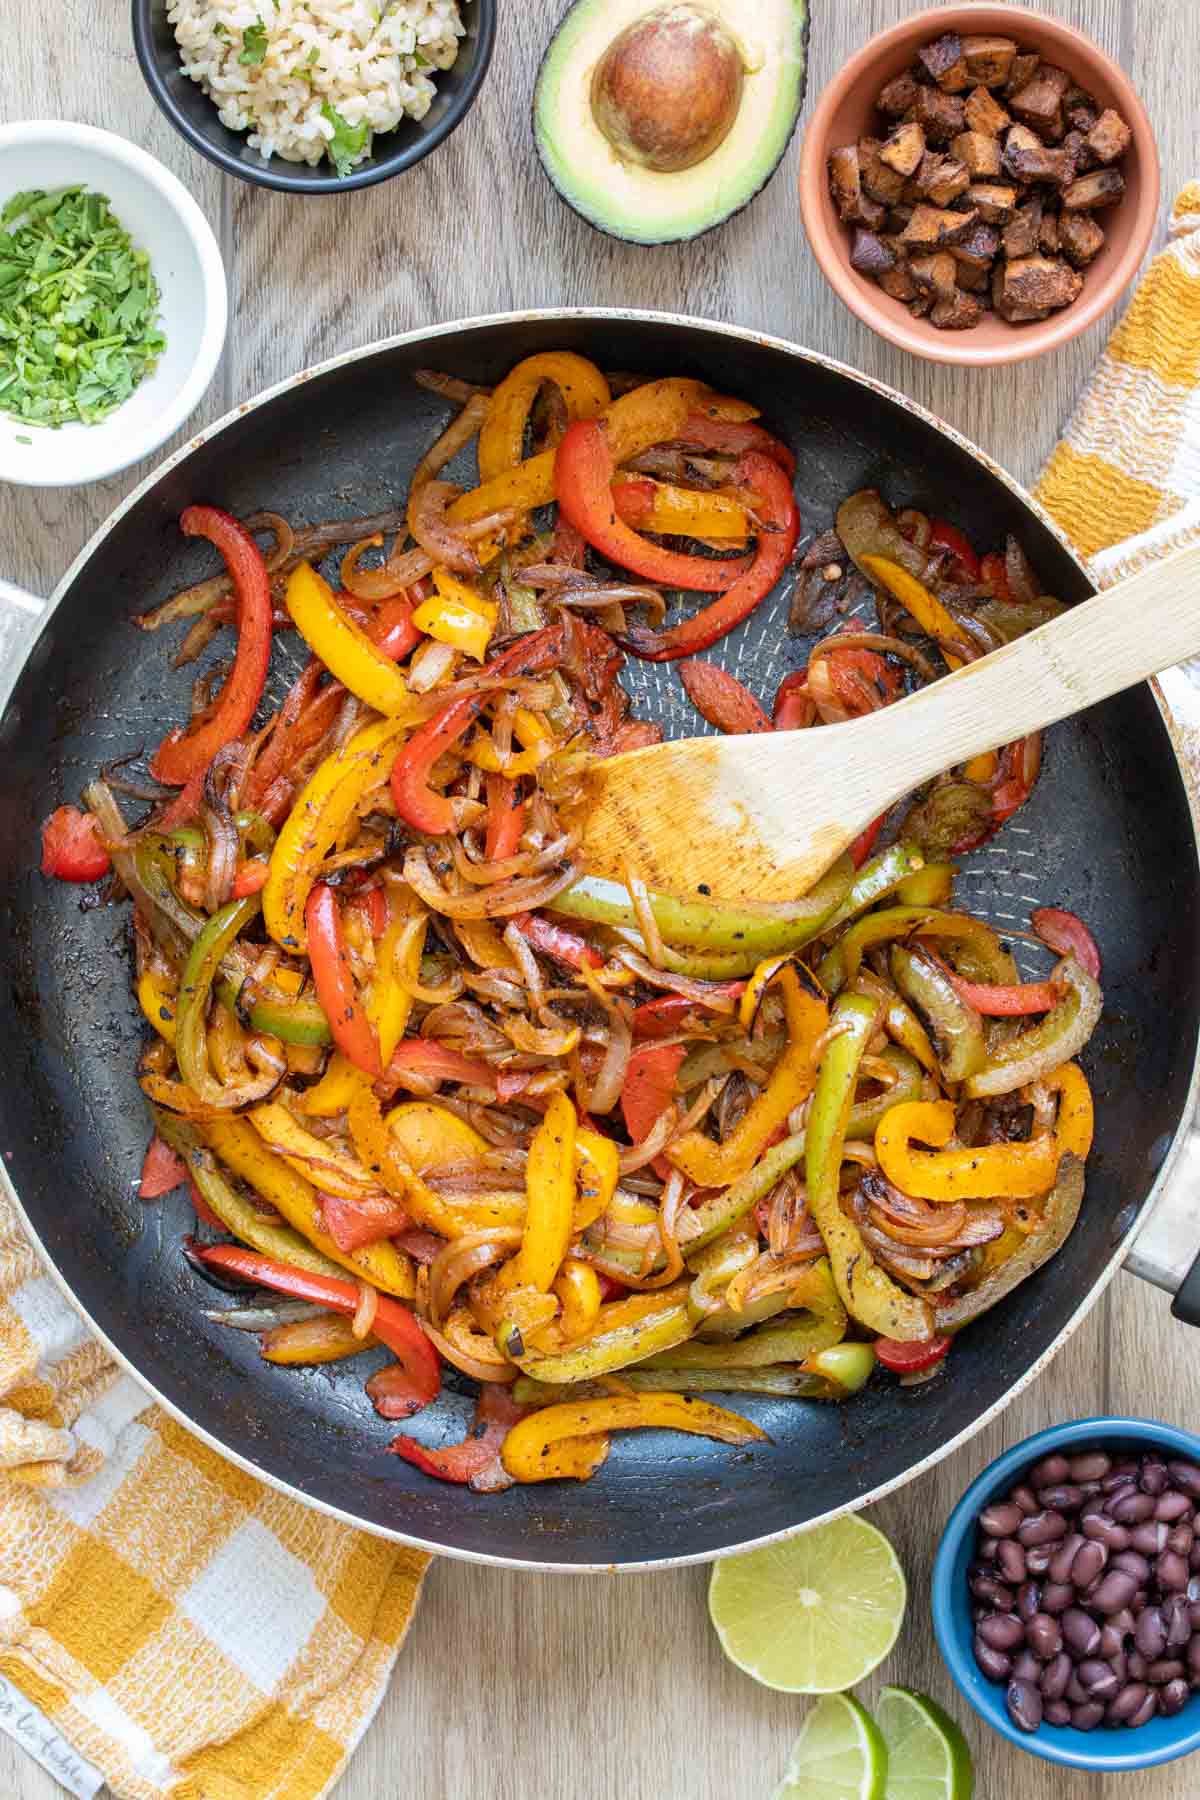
(768, 340)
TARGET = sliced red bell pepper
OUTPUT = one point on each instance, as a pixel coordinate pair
(729, 438)
(496, 1412)
(72, 848)
(353, 1223)
(352, 1031)
(911, 1357)
(721, 698)
(1007, 1001)
(948, 537)
(251, 877)
(306, 715)
(184, 807)
(864, 843)
(204, 1211)
(583, 478)
(794, 708)
(505, 818)
(649, 1090)
(162, 1171)
(1020, 765)
(392, 630)
(994, 570)
(394, 1324)
(556, 941)
(371, 904)
(858, 676)
(669, 1015)
(436, 1062)
(610, 1287)
(182, 752)
(1066, 933)
(771, 557)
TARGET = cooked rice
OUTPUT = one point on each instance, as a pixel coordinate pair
(367, 60)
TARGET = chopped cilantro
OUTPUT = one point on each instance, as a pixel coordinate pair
(22, 439)
(347, 139)
(254, 44)
(421, 60)
(78, 309)
(219, 28)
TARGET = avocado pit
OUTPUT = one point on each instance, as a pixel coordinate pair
(667, 91)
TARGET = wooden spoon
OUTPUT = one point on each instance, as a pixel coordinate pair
(763, 816)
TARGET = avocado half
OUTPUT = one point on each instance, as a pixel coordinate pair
(648, 206)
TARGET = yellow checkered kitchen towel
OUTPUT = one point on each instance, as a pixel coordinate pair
(189, 1632)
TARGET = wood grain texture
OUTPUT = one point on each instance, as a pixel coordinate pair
(543, 1688)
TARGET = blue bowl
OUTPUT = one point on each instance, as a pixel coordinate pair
(1107, 1748)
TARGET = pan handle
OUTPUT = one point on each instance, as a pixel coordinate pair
(1164, 1250)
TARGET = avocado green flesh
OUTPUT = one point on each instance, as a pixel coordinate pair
(642, 205)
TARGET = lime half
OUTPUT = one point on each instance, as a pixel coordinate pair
(928, 1758)
(813, 1615)
(839, 1755)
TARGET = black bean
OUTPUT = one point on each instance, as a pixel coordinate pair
(1063, 1497)
(1088, 1489)
(1038, 1560)
(1024, 1705)
(1056, 1675)
(1080, 1633)
(1042, 1528)
(1194, 1614)
(994, 1664)
(1051, 1468)
(1106, 1531)
(1076, 1693)
(1010, 1559)
(1171, 1572)
(1124, 1704)
(1123, 1621)
(1180, 1539)
(1001, 1519)
(1132, 1564)
(1177, 1617)
(1144, 1713)
(1167, 1668)
(1173, 1698)
(1115, 1591)
(1043, 1636)
(1120, 1475)
(1151, 1634)
(987, 1548)
(1154, 1477)
(1186, 1476)
(1003, 1631)
(1057, 1596)
(1136, 1665)
(1119, 1664)
(1112, 1642)
(1131, 1508)
(1029, 1601)
(1024, 1498)
(985, 1587)
(1089, 1465)
(1097, 1679)
(1026, 1666)
(1087, 1716)
(1172, 1506)
(1064, 1555)
(1193, 1656)
(1056, 1712)
(1150, 1539)
(1194, 1558)
(1088, 1563)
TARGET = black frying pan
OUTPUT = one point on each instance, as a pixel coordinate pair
(1108, 832)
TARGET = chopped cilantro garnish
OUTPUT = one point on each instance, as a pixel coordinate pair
(219, 29)
(22, 439)
(347, 139)
(421, 60)
(254, 44)
(78, 309)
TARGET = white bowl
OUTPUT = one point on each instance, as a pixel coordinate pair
(162, 218)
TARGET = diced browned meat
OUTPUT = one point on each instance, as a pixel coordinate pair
(880, 182)
(1041, 281)
(979, 249)
(1039, 103)
(943, 62)
(988, 59)
(980, 153)
(1109, 137)
(995, 201)
(1021, 234)
(1101, 188)
(934, 274)
(983, 112)
(1021, 72)
(1048, 234)
(939, 115)
(1007, 309)
(1079, 109)
(940, 179)
(1076, 147)
(899, 283)
(898, 217)
(920, 305)
(1081, 239)
(898, 96)
(845, 184)
(932, 228)
(870, 255)
(976, 281)
(957, 312)
(1026, 158)
(904, 148)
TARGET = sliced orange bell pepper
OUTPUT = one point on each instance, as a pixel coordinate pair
(328, 1338)
(550, 1200)
(597, 1168)
(1016, 1171)
(584, 392)
(675, 511)
(528, 1451)
(925, 607)
(1074, 1126)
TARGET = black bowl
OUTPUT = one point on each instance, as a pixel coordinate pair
(194, 115)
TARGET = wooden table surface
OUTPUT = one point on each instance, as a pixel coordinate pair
(518, 1687)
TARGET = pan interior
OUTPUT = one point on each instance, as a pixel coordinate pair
(1107, 833)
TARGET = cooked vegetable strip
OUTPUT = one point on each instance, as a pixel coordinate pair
(346, 651)
(530, 1444)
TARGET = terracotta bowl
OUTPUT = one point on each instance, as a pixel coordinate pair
(846, 112)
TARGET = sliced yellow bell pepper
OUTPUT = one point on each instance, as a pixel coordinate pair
(718, 1165)
(457, 615)
(384, 1159)
(1075, 1124)
(342, 646)
(550, 1200)
(318, 1160)
(530, 1443)
(1016, 1171)
(529, 729)
(931, 886)
(597, 1168)
(584, 392)
(925, 607)
(328, 1338)
(625, 1331)
(321, 813)
(241, 1149)
(577, 1288)
(430, 1136)
(390, 1001)
(691, 512)
(158, 1002)
(335, 1090)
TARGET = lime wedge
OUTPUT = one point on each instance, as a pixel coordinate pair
(814, 1614)
(928, 1758)
(839, 1755)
